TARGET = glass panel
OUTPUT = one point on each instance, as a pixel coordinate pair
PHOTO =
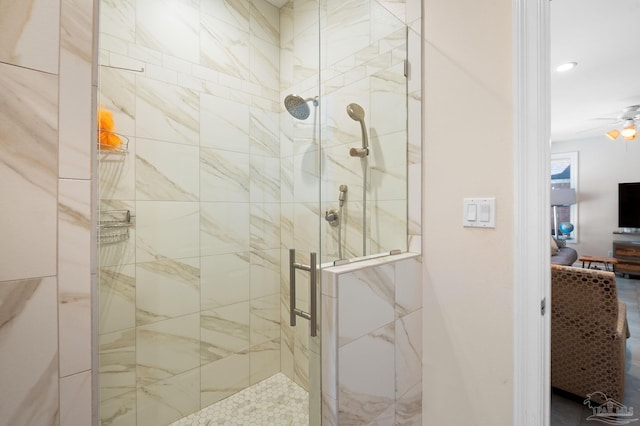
(207, 180)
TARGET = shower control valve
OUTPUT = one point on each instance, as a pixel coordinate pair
(333, 217)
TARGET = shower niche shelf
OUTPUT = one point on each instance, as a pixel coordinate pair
(122, 148)
(113, 226)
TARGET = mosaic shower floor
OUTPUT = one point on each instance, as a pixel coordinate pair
(275, 401)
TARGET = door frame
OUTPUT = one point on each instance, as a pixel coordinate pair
(531, 47)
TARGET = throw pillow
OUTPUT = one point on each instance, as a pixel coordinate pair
(554, 247)
(560, 243)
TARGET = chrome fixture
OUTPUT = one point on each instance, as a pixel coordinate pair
(356, 112)
(343, 194)
(298, 107)
(333, 217)
(312, 315)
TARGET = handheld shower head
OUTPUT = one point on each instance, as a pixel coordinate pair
(343, 194)
(299, 107)
(356, 112)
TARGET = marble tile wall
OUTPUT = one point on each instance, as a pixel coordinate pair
(46, 257)
(368, 70)
(189, 308)
(372, 327)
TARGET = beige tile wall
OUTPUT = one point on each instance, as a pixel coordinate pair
(46, 170)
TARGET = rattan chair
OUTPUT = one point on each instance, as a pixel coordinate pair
(588, 332)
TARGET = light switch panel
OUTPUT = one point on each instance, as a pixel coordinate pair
(479, 212)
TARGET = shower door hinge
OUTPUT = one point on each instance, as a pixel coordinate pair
(543, 306)
(406, 68)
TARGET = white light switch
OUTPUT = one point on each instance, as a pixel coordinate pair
(472, 211)
(479, 212)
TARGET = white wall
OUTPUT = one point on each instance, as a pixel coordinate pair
(602, 164)
(468, 273)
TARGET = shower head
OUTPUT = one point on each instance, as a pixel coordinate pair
(356, 112)
(299, 107)
(343, 193)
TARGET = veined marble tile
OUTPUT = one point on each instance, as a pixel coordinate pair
(30, 31)
(224, 228)
(74, 275)
(76, 90)
(414, 10)
(414, 130)
(75, 399)
(166, 112)
(28, 167)
(265, 319)
(343, 129)
(387, 417)
(234, 12)
(346, 20)
(265, 360)
(305, 53)
(265, 273)
(154, 17)
(224, 175)
(388, 225)
(264, 179)
(167, 289)
(264, 132)
(117, 298)
(119, 411)
(409, 407)
(265, 226)
(167, 171)
(397, 8)
(306, 238)
(306, 177)
(366, 371)
(342, 169)
(117, 174)
(388, 170)
(408, 352)
(286, 339)
(167, 229)
(301, 336)
(167, 348)
(168, 400)
(265, 64)
(225, 280)
(224, 377)
(329, 346)
(265, 21)
(118, 19)
(224, 123)
(224, 331)
(408, 286)
(389, 100)
(117, 360)
(29, 391)
(224, 47)
(117, 93)
(371, 287)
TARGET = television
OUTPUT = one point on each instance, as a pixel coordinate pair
(629, 205)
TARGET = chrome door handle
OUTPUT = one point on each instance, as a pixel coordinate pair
(293, 311)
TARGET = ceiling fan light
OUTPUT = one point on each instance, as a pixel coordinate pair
(613, 134)
(629, 131)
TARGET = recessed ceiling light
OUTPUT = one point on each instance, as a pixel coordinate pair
(567, 66)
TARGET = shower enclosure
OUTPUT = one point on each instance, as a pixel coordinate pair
(229, 142)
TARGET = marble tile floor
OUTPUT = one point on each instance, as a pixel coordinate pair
(276, 401)
(568, 410)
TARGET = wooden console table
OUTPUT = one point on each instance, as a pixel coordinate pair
(628, 255)
(608, 262)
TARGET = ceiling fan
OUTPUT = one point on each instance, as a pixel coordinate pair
(628, 120)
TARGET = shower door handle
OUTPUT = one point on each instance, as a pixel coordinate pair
(293, 311)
